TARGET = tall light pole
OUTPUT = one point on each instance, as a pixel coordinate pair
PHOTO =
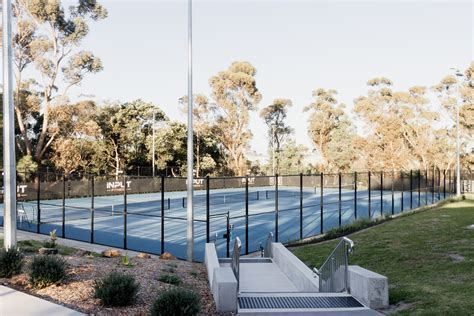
(9, 162)
(190, 210)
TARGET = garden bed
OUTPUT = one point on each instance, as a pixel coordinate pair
(77, 291)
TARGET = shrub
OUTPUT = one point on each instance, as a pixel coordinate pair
(170, 279)
(176, 301)
(52, 242)
(116, 289)
(47, 270)
(11, 261)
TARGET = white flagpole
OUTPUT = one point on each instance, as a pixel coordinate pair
(190, 211)
(9, 162)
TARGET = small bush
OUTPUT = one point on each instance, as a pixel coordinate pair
(169, 270)
(176, 301)
(47, 270)
(170, 279)
(11, 261)
(116, 289)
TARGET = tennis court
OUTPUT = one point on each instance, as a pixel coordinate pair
(293, 207)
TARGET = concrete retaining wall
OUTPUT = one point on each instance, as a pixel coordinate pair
(370, 288)
(300, 275)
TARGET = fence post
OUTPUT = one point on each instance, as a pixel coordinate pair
(355, 194)
(246, 214)
(276, 207)
(63, 233)
(228, 235)
(403, 188)
(92, 208)
(301, 205)
(38, 205)
(340, 199)
(450, 185)
(433, 186)
(381, 193)
(419, 187)
(444, 183)
(411, 189)
(208, 209)
(162, 189)
(124, 211)
(439, 184)
(393, 196)
(321, 219)
(426, 187)
(370, 198)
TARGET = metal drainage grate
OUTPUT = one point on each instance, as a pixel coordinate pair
(260, 302)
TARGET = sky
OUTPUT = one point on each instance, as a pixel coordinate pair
(296, 46)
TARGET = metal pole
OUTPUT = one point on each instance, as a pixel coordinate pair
(370, 199)
(340, 199)
(439, 184)
(419, 187)
(444, 183)
(124, 211)
(38, 205)
(403, 188)
(433, 186)
(162, 189)
(92, 209)
(190, 206)
(63, 234)
(276, 207)
(426, 187)
(9, 160)
(153, 145)
(301, 205)
(246, 214)
(355, 195)
(321, 219)
(381, 193)
(208, 208)
(411, 189)
(393, 196)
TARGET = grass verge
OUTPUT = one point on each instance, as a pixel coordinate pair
(427, 256)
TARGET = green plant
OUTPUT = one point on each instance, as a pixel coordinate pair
(194, 273)
(176, 301)
(52, 242)
(169, 270)
(170, 279)
(116, 289)
(126, 260)
(47, 270)
(11, 261)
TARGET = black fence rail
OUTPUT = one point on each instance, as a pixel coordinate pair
(146, 213)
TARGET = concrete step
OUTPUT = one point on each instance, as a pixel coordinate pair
(301, 304)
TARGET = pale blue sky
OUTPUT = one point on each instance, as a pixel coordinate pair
(296, 46)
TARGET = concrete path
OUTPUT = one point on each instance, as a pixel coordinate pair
(23, 235)
(14, 303)
(264, 277)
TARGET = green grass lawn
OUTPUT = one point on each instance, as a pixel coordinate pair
(428, 258)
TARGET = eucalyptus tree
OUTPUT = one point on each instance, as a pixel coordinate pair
(235, 95)
(49, 37)
(274, 116)
(327, 120)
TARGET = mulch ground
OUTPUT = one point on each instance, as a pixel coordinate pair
(77, 290)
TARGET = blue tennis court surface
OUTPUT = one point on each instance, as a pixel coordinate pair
(300, 214)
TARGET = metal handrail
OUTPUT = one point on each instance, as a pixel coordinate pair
(333, 274)
(235, 261)
(267, 251)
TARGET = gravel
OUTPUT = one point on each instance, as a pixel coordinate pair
(77, 291)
